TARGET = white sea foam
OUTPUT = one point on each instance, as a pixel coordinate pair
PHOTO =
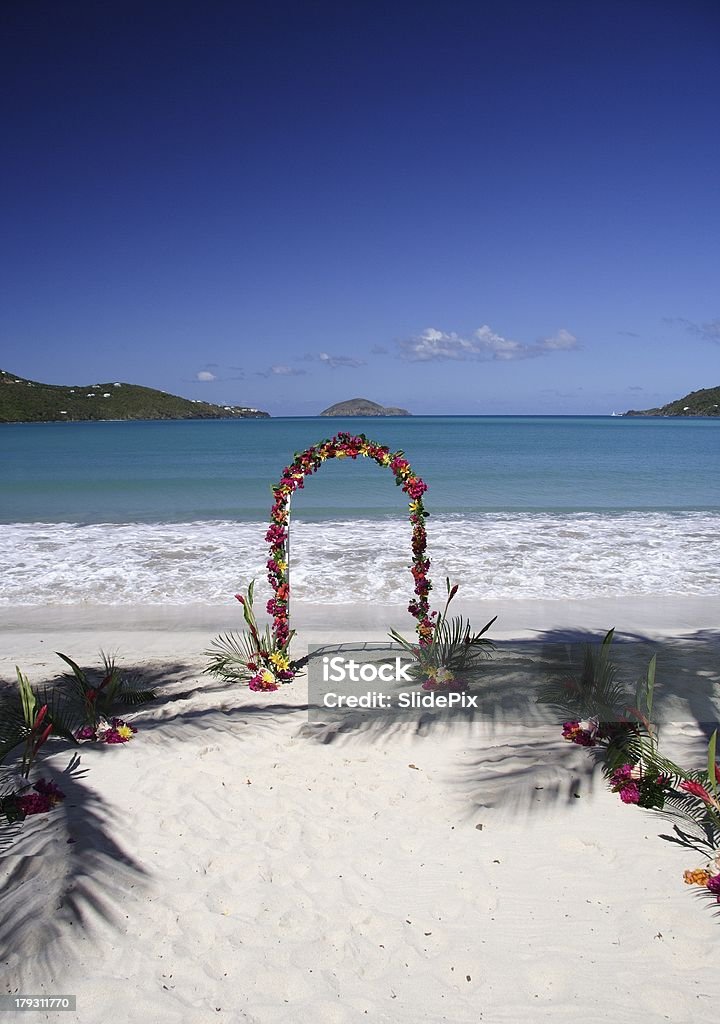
(518, 555)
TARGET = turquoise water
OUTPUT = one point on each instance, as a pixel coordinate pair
(189, 471)
(520, 507)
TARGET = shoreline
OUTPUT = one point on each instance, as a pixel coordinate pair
(646, 614)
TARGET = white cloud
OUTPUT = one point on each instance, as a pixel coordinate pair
(282, 370)
(561, 341)
(483, 344)
(334, 361)
(205, 376)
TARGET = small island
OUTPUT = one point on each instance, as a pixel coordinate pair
(705, 402)
(28, 401)
(363, 407)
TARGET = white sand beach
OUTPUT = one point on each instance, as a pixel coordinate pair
(236, 863)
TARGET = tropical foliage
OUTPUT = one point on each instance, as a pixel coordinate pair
(454, 654)
(79, 708)
(94, 700)
(617, 722)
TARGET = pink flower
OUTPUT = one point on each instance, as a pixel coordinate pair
(713, 885)
(622, 775)
(113, 736)
(45, 797)
(85, 732)
(575, 733)
(119, 731)
(259, 684)
(49, 789)
(630, 794)
(34, 803)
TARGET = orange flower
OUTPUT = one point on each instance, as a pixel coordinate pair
(698, 877)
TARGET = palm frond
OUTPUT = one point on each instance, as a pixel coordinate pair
(593, 690)
(229, 654)
(106, 691)
(61, 713)
(13, 729)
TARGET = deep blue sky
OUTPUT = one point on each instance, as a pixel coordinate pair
(460, 207)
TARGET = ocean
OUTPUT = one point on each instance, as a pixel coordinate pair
(520, 507)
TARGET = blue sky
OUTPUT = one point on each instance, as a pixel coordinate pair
(456, 208)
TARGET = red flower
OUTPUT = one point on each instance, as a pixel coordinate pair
(698, 790)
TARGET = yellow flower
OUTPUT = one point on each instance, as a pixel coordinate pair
(280, 660)
(698, 877)
(414, 506)
(267, 676)
(282, 566)
(125, 731)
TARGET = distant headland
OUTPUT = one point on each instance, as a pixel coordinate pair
(28, 401)
(362, 407)
(705, 402)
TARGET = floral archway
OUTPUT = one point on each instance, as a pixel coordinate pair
(344, 446)
(261, 658)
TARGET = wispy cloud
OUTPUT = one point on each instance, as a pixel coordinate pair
(629, 334)
(378, 350)
(333, 362)
(205, 376)
(281, 370)
(709, 330)
(483, 344)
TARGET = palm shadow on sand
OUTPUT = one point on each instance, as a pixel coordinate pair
(512, 755)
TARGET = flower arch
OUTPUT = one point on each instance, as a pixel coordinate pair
(344, 446)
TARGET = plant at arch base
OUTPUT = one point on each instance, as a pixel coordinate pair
(453, 655)
(253, 657)
(262, 659)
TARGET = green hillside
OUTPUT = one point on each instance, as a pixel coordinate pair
(28, 401)
(698, 403)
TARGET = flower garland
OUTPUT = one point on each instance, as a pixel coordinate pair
(343, 446)
(261, 658)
